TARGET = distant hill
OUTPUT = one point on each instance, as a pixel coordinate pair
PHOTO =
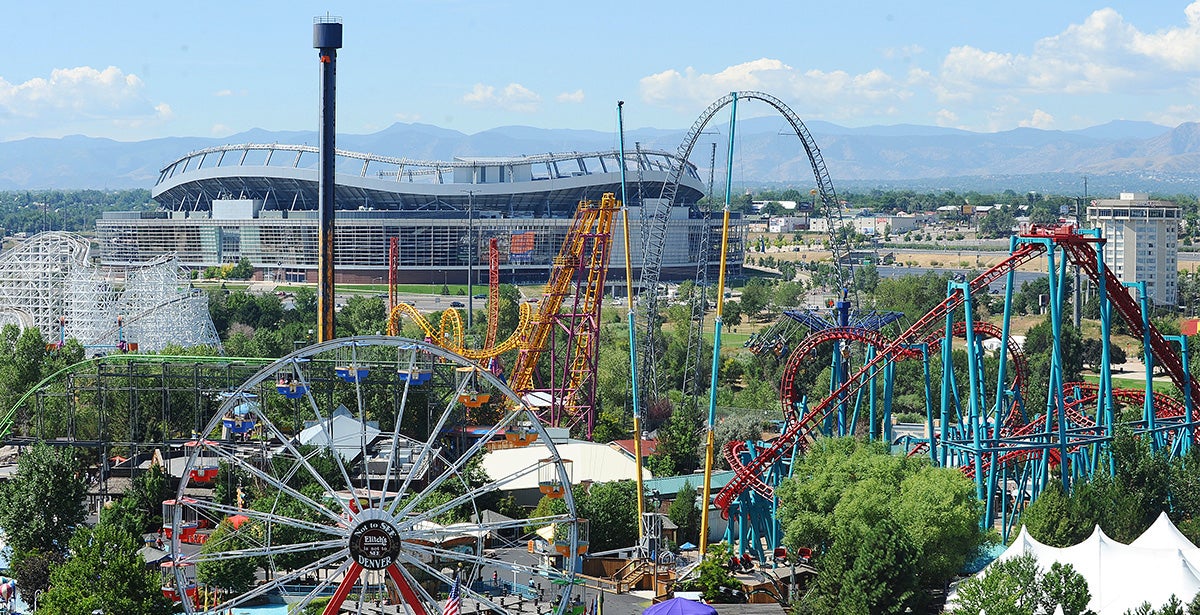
(1126, 154)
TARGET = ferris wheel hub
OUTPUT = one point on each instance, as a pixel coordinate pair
(375, 544)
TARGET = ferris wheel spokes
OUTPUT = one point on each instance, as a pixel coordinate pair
(457, 465)
(411, 520)
(260, 590)
(281, 486)
(464, 586)
(357, 545)
(387, 475)
(302, 460)
(300, 524)
(434, 434)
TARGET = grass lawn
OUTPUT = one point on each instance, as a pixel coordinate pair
(1136, 383)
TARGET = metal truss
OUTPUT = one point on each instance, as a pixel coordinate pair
(48, 282)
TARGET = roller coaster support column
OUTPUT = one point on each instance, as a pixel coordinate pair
(999, 412)
(1104, 398)
(1055, 403)
(1148, 359)
(710, 433)
(637, 410)
(947, 387)
(841, 362)
(889, 376)
(1189, 416)
(975, 420)
(929, 427)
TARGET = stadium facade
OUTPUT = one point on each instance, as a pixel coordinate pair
(259, 202)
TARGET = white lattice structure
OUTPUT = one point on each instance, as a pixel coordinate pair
(32, 276)
(49, 276)
(159, 307)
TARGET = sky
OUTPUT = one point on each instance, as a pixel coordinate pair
(136, 70)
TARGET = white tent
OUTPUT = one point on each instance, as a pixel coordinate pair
(341, 431)
(1159, 564)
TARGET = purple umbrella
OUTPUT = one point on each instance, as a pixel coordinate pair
(680, 606)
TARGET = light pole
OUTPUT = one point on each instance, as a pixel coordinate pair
(37, 594)
(470, 256)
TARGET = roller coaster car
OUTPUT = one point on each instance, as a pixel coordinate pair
(351, 373)
(290, 388)
(414, 376)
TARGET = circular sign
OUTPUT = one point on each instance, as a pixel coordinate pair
(374, 544)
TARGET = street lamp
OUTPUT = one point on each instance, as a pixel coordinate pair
(470, 255)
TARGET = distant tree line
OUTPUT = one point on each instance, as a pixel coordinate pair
(33, 211)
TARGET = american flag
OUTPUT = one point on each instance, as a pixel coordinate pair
(455, 601)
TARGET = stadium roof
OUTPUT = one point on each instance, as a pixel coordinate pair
(285, 177)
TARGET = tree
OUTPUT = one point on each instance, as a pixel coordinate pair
(1093, 353)
(845, 492)
(755, 297)
(998, 222)
(1016, 586)
(41, 505)
(1041, 213)
(1062, 586)
(32, 571)
(231, 575)
(611, 514)
(678, 442)
(713, 580)
(105, 572)
(243, 270)
(685, 514)
(871, 568)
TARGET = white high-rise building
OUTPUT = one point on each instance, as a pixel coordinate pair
(1142, 236)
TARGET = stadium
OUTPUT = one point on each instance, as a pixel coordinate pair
(259, 202)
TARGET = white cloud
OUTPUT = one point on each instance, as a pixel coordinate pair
(570, 97)
(1102, 54)
(407, 117)
(220, 130)
(831, 94)
(226, 92)
(904, 52)
(77, 93)
(946, 117)
(1175, 115)
(1040, 119)
(514, 97)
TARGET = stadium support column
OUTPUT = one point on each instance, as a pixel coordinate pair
(327, 39)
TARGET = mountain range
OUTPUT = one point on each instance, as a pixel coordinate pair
(1117, 156)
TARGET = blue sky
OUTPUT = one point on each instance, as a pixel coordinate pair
(136, 70)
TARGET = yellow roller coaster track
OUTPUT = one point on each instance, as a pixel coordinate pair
(449, 332)
(591, 226)
(592, 221)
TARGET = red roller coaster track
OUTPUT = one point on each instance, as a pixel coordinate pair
(1078, 249)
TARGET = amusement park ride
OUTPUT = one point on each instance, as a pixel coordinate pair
(375, 530)
(373, 424)
(1006, 443)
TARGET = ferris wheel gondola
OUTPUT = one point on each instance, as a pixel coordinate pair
(368, 499)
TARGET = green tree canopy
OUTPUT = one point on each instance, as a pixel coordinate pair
(1017, 586)
(41, 505)
(861, 508)
(104, 572)
(685, 514)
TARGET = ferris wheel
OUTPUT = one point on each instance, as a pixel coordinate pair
(351, 471)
